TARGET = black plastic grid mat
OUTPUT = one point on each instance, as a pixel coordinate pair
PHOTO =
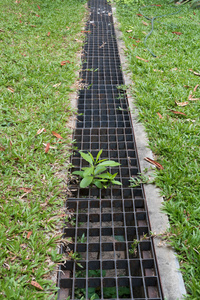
(102, 224)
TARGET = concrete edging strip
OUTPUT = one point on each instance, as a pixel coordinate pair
(171, 278)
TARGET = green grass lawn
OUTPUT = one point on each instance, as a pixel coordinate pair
(38, 45)
(162, 89)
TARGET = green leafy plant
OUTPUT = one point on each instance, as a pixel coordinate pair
(135, 243)
(75, 256)
(141, 178)
(95, 293)
(95, 174)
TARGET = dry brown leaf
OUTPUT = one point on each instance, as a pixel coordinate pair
(193, 99)
(47, 147)
(195, 73)
(187, 86)
(48, 34)
(57, 135)
(57, 84)
(2, 148)
(29, 234)
(182, 103)
(50, 147)
(40, 131)
(144, 23)
(26, 190)
(130, 30)
(177, 33)
(85, 31)
(142, 59)
(155, 70)
(139, 15)
(196, 87)
(35, 284)
(160, 116)
(155, 163)
(178, 112)
(64, 62)
(10, 89)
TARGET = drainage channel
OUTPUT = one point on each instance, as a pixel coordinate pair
(106, 222)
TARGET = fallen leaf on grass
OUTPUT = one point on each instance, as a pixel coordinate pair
(130, 30)
(196, 87)
(187, 86)
(57, 135)
(160, 116)
(47, 147)
(26, 190)
(157, 5)
(29, 234)
(35, 284)
(48, 34)
(33, 25)
(144, 23)
(155, 163)
(57, 84)
(177, 33)
(2, 148)
(10, 89)
(178, 112)
(38, 7)
(134, 45)
(64, 62)
(195, 73)
(142, 59)
(37, 16)
(158, 70)
(193, 99)
(50, 147)
(23, 246)
(40, 131)
(182, 103)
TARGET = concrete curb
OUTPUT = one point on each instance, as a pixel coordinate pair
(171, 278)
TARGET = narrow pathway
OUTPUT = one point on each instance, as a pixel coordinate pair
(106, 222)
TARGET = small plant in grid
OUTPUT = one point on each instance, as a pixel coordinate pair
(95, 173)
